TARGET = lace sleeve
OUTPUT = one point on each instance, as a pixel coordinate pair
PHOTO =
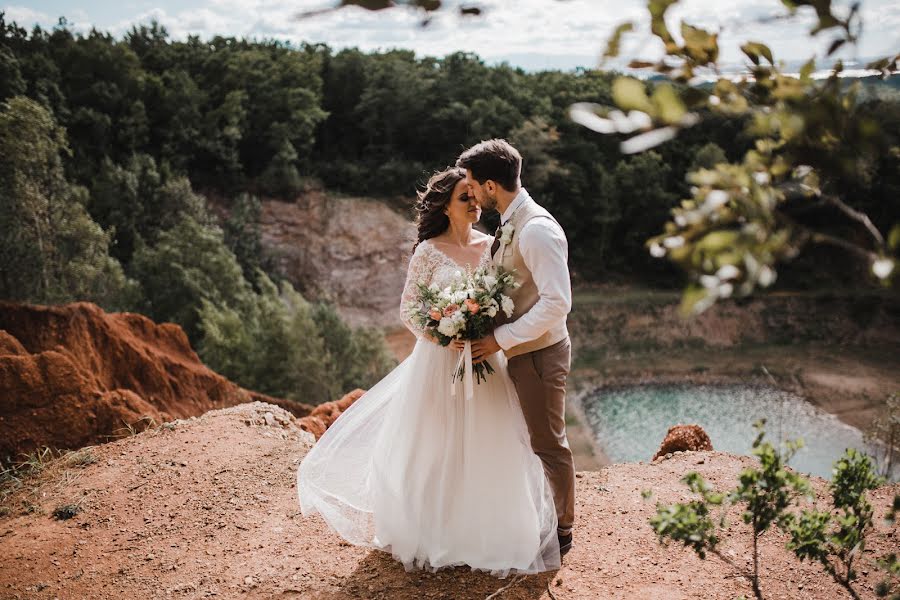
(421, 268)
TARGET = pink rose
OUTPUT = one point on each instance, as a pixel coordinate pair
(472, 306)
(435, 314)
(450, 309)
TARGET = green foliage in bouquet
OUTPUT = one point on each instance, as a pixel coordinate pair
(466, 309)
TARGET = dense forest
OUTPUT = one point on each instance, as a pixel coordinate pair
(109, 148)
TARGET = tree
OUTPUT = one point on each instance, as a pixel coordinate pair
(242, 233)
(51, 250)
(136, 201)
(187, 265)
(281, 177)
(812, 142)
(354, 358)
(271, 344)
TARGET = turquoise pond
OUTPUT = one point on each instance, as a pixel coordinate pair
(629, 423)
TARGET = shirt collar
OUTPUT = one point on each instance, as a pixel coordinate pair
(520, 198)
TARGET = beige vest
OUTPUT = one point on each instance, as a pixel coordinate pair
(526, 296)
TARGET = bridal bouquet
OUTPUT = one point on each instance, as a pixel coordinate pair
(464, 310)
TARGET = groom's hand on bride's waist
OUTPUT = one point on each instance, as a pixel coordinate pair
(484, 347)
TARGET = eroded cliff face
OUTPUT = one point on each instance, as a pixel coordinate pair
(72, 375)
(354, 251)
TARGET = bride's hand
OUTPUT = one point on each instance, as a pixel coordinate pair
(458, 345)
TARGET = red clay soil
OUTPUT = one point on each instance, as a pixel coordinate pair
(207, 507)
(322, 416)
(73, 375)
(683, 438)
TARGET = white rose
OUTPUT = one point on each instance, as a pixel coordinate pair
(489, 281)
(447, 326)
(492, 308)
(507, 304)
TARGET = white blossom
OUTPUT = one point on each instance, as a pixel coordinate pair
(673, 242)
(882, 267)
(657, 250)
(709, 281)
(492, 308)
(640, 119)
(761, 177)
(448, 326)
(643, 141)
(728, 272)
(507, 304)
(715, 199)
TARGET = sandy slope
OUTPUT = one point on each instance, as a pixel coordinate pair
(207, 507)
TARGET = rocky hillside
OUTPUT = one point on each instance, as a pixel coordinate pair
(352, 250)
(207, 507)
(74, 375)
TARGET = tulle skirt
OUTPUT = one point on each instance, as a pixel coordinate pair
(432, 478)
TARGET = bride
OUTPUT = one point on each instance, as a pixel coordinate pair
(416, 470)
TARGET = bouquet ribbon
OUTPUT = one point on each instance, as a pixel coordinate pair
(465, 360)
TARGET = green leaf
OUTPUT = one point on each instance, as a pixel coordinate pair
(669, 107)
(699, 44)
(807, 69)
(835, 45)
(629, 94)
(755, 49)
(694, 297)
(717, 241)
(894, 237)
(612, 46)
(885, 65)
(658, 26)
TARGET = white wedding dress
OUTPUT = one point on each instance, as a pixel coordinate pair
(430, 477)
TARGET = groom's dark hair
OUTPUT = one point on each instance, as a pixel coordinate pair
(493, 159)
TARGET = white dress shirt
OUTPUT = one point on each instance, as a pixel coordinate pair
(544, 249)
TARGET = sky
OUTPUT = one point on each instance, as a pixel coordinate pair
(532, 34)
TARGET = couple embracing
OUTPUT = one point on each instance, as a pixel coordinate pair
(487, 479)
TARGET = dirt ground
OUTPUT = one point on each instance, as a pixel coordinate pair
(207, 507)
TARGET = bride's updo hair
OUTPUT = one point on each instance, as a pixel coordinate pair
(430, 217)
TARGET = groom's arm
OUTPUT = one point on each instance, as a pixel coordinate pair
(545, 252)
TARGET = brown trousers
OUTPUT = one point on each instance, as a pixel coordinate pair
(540, 380)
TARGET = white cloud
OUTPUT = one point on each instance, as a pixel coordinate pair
(24, 16)
(531, 33)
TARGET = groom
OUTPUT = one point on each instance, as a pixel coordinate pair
(535, 338)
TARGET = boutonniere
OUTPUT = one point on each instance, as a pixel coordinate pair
(506, 233)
